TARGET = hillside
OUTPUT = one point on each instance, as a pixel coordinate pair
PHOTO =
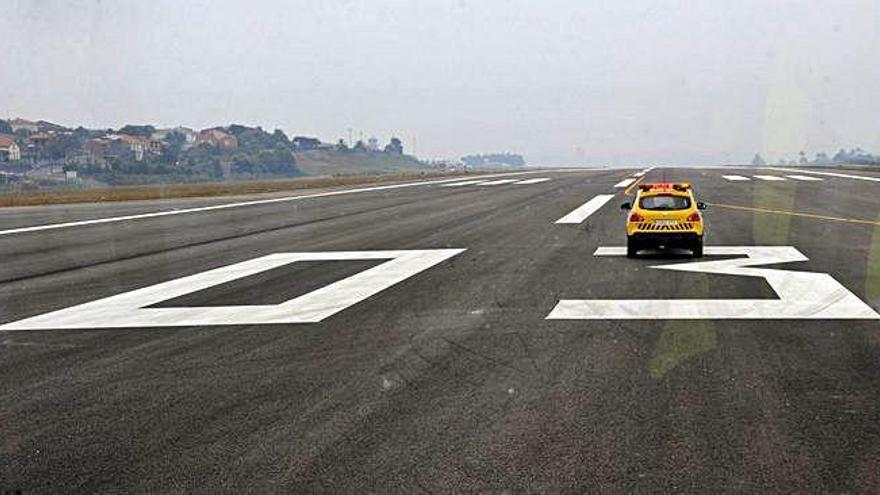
(333, 162)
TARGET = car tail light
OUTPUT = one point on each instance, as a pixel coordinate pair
(635, 217)
(694, 217)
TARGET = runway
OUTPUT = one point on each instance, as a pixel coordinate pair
(468, 334)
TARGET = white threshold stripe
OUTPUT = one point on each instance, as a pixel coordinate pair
(583, 211)
(497, 182)
(463, 183)
(625, 183)
(532, 181)
(96, 221)
(769, 177)
(736, 177)
(804, 177)
(827, 174)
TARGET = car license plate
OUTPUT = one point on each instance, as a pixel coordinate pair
(665, 222)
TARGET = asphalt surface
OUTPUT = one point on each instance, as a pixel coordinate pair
(452, 379)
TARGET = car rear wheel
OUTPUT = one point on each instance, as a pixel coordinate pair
(632, 248)
(697, 248)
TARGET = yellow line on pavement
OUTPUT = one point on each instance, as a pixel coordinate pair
(634, 184)
(796, 214)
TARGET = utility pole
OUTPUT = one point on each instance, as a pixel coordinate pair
(349, 138)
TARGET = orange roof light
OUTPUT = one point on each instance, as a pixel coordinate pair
(661, 186)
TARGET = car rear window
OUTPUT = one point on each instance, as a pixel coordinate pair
(664, 202)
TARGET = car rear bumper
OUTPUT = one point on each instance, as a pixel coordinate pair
(667, 239)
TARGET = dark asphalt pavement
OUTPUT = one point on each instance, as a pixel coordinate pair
(451, 380)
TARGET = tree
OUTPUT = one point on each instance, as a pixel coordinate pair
(360, 146)
(62, 146)
(280, 137)
(172, 151)
(341, 146)
(237, 129)
(394, 146)
(803, 158)
(821, 158)
(203, 160)
(5, 128)
(758, 160)
(137, 130)
(473, 160)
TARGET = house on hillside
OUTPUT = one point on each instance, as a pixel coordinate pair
(9, 149)
(19, 123)
(218, 138)
(303, 143)
(39, 139)
(136, 144)
(50, 127)
(96, 150)
(154, 146)
(189, 136)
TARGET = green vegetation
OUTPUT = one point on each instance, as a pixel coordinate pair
(138, 154)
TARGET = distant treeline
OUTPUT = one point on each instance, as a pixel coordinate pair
(855, 156)
(509, 159)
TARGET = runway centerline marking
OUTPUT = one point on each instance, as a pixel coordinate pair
(531, 181)
(625, 183)
(804, 178)
(497, 182)
(129, 309)
(802, 295)
(463, 183)
(583, 211)
(736, 178)
(199, 209)
(770, 177)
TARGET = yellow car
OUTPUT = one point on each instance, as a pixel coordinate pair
(664, 215)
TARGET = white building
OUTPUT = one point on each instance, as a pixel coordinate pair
(9, 149)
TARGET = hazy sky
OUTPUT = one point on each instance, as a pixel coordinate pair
(562, 82)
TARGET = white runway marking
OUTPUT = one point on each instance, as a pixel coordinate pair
(532, 181)
(583, 211)
(497, 182)
(463, 183)
(804, 177)
(625, 183)
(129, 309)
(827, 174)
(769, 177)
(802, 295)
(53, 226)
(736, 178)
